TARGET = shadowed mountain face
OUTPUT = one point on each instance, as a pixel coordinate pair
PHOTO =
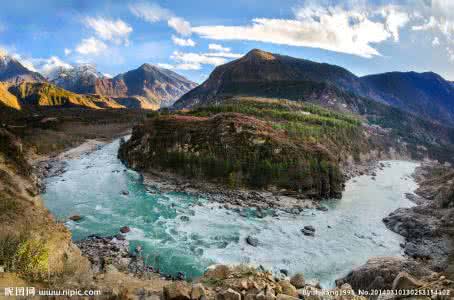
(261, 73)
(12, 70)
(153, 85)
(426, 94)
(265, 74)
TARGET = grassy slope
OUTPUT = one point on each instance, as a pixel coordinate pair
(31, 243)
(6, 98)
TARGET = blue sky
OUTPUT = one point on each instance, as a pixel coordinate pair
(192, 37)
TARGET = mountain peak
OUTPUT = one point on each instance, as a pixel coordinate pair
(260, 54)
(146, 66)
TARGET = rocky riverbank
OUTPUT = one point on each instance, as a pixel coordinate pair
(428, 226)
(282, 199)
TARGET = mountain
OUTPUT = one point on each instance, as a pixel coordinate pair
(41, 94)
(265, 74)
(81, 79)
(426, 94)
(146, 87)
(153, 83)
(260, 74)
(12, 70)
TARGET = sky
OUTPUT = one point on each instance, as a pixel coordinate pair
(192, 37)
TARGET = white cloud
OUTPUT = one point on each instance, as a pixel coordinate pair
(150, 12)
(394, 20)
(166, 66)
(183, 42)
(437, 17)
(194, 61)
(223, 54)
(91, 46)
(218, 47)
(49, 66)
(189, 66)
(116, 31)
(180, 25)
(347, 30)
(435, 42)
(153, 13)
(107, 75)
(67, 51)
(450, 54)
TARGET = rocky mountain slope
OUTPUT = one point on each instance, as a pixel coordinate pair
(12, 70)
(147, 86)
(426, 94)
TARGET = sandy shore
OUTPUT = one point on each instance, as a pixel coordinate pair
(86, 147)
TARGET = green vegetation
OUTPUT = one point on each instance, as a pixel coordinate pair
(300, 121)
(23, 254)
(259, 143)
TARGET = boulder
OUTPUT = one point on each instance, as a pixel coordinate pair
(125, 229)
(266, 294)
(310, 228)
(288, 288)
(285, 297)
(284, 272)
(252, 241)
(228, 294)
(198, 291)
(405, 281)
(75, 218)
(218, 272)
(297, 280)
(387, 267)
(178, 290)
(307, 232)
(313, 283)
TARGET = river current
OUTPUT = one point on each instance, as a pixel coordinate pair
(180, 232)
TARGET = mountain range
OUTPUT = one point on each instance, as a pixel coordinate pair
(265, 74)
(258, 73)
(147, 87)
(149, 83)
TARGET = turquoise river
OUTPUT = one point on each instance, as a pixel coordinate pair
(347, 234)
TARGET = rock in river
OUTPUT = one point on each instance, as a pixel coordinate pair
(310, 228)
(252, 241)
(125, 229)
(307, 232)
(75, 218)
